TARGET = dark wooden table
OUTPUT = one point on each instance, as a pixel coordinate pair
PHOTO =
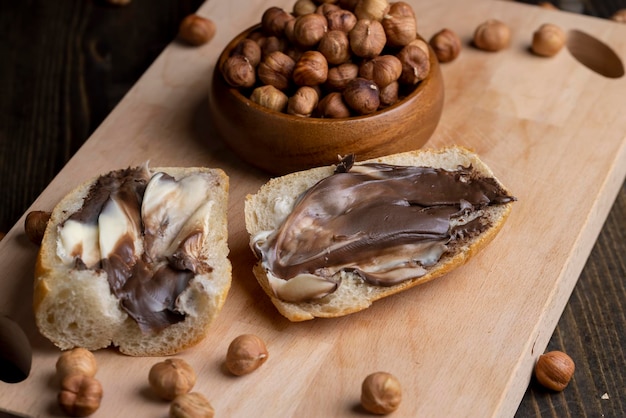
(65, 65)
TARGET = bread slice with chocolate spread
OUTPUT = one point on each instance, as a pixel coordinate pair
(332, 240)
(137, 259)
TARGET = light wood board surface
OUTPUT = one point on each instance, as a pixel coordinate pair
(551, 129)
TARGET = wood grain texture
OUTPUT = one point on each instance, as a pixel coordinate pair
(591, 328)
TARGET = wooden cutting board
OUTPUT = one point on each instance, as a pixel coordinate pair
(552, 130)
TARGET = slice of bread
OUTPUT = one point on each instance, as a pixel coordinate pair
(75, 304)
(267, 209)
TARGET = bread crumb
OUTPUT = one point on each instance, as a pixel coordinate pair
(605, 396)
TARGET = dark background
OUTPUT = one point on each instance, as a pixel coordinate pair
(64, 65)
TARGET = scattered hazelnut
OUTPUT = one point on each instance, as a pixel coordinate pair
(80, 395)
(250, 50)
(303, 7)
(118, 2)
(367, 38)
(554, 370)
(35, 225)
(273, 21)
(270, 97)
(2, 235)
(276, 70)
(76, 361)
(245, 354)
(196, 30)
(400, 24)
(343, 20)
(619, 16)
(446, 44)
(171, 377)
(415, 64)
(303, 102)
(335, 46)
(362, 96)
(382, 70)
(333, 106)
(341, 75)
(548, 40)
(309, 29)
(371, 9)
(191, 405)
(238, 72)
(492, 35)
(311, 69)
(381, 393)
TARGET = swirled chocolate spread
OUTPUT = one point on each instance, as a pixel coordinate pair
(385, 223)
(136, 228)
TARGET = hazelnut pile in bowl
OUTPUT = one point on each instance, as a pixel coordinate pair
(327, 79)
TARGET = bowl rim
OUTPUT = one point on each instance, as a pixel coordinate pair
(236, 92)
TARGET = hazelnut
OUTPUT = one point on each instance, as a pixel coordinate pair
(273, 21)
(554, 370)
(196, 30)
(303, 102)
(325, 8)
(2, 235)
(389, 94)
(311, 69)
(250, 50)
(341, 19)
(548, 40)
(382, 70)
(333, 106)
(76, 361)
(304, 7)
(371, 9)
(619, 16)
(421, 44)
(309, 29)
(400, 24)
(271, 44)
(362, 96)
(335, 46)
(367, 38)
(270, 97)
(415, 64)
(339, 76)
(119, 2)
(289, 32)
(171, 377)
(245, 354)
(191, 405)
(492, 35)
(238, 72)
(276, 70)
(35, 225)
(381, 393)
(446, 44)
(80, 395)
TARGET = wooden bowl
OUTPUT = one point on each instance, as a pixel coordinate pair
(280, 143)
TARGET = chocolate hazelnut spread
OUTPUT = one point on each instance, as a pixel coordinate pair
(385, 223)
(136, 227)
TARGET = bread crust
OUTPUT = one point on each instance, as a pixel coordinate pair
(76, 308)
(264, 211)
